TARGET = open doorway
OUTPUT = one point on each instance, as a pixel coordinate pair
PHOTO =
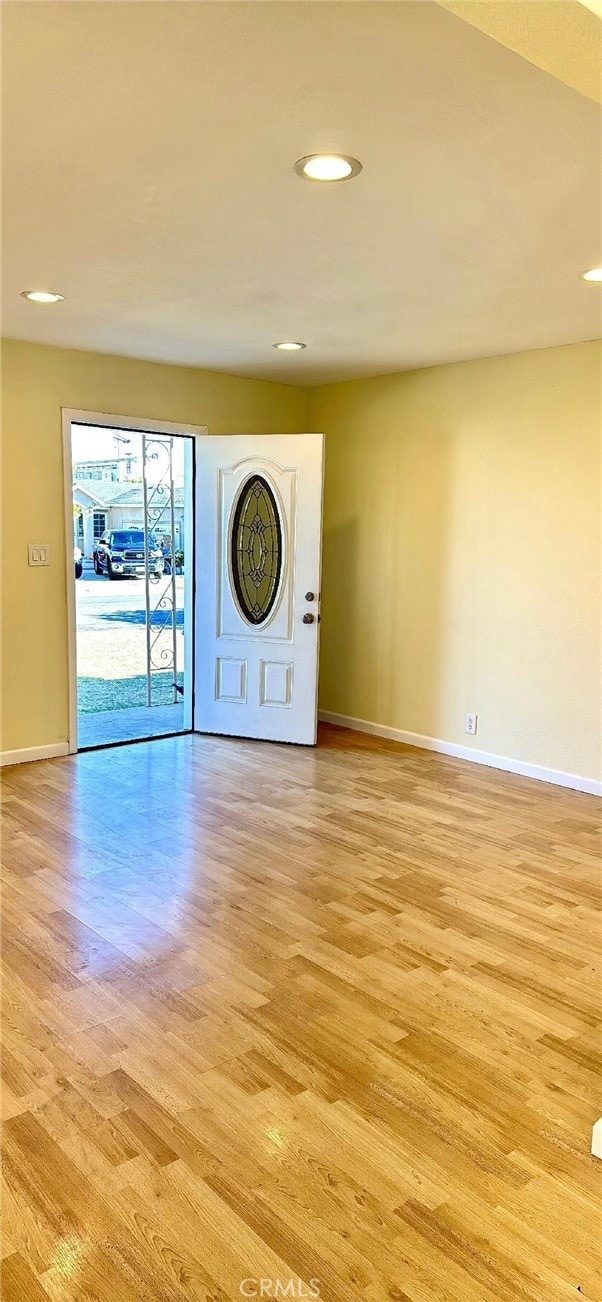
(132, 512)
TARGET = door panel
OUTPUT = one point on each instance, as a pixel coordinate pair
(258, 553)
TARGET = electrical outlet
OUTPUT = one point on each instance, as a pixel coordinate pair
(38, 554)
(470, 724)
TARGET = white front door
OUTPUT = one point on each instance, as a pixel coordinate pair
(258, 510)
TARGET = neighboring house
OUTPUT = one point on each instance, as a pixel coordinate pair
(101, 505)
(102, 468)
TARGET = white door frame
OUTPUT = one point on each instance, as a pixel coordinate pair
(139, 424)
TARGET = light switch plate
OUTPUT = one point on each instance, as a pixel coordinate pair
(38, 554)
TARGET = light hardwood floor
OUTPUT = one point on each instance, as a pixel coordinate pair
(274, 1013)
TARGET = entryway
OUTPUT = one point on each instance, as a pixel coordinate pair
(196, 598)
(133, 550)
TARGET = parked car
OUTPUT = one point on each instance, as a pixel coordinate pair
(77, 556)
(121, 552)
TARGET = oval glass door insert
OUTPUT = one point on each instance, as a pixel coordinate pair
(256, 550)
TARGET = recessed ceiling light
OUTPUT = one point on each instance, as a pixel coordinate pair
(327, 167)
(291, 347)
(594, 273)
(42, 296)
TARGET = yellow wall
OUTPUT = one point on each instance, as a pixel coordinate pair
(562, 37)
(461, 547)
(462, 553)
(36, 382)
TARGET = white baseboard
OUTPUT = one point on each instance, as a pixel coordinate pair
(555, 776)
(523, 769)
(33, 753)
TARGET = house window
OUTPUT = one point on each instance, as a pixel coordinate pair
(99, 524)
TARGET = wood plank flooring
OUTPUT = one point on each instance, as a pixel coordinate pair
(327, 1018)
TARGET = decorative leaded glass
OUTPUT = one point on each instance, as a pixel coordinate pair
(256, 550)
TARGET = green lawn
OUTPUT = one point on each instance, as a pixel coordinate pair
(95, 695)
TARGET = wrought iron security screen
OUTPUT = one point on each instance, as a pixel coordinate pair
(160, 569)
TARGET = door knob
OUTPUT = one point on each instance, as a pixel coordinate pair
(308, 618)
(310, 596)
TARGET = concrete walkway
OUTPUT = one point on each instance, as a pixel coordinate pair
(109, 726)
(111, 661)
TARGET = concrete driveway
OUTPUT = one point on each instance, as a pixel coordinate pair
(111, 641)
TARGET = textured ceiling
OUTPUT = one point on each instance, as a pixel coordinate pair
(148, 176)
